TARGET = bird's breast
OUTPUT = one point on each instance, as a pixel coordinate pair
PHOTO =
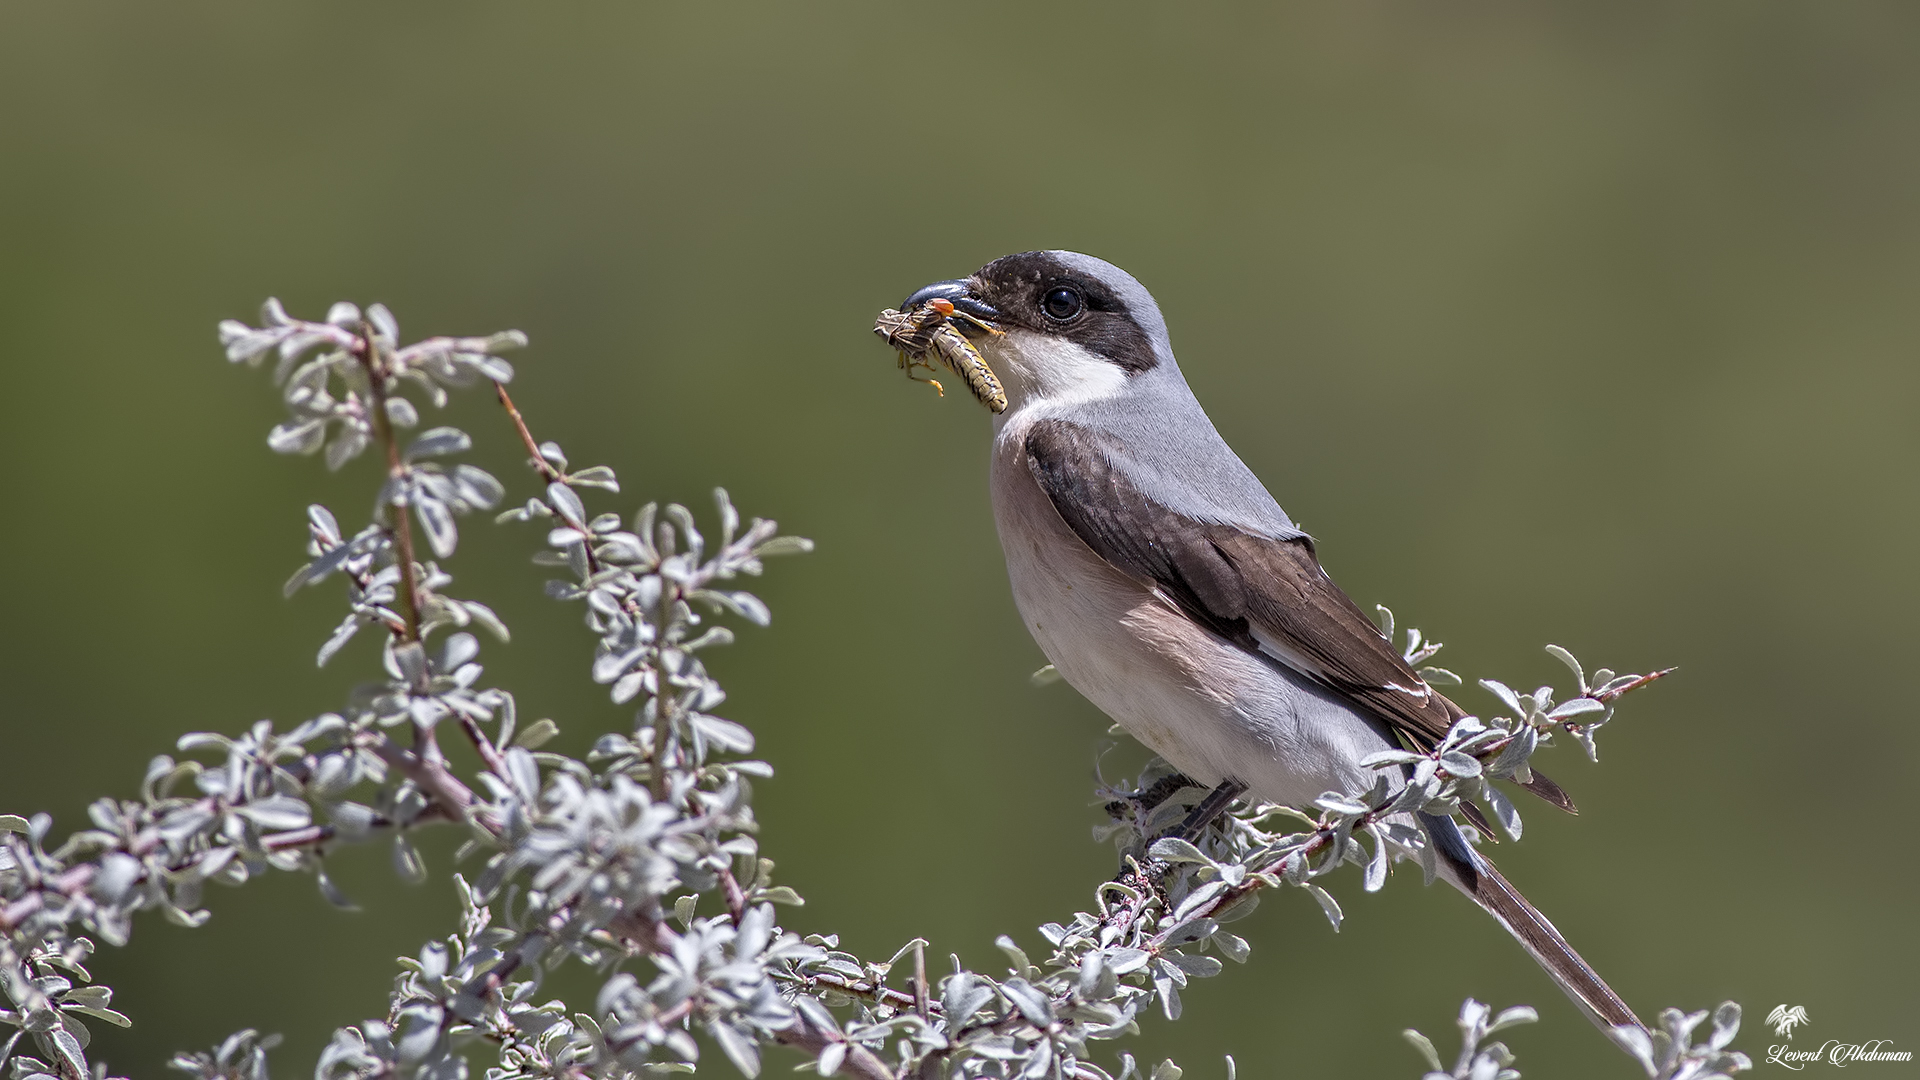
(1208, 706)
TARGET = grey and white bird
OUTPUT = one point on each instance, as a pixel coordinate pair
(1167, 586)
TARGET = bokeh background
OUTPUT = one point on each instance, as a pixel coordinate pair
(1590, 323)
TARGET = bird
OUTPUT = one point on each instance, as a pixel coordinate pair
(1166, 585)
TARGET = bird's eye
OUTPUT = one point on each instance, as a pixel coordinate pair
(1062, 304)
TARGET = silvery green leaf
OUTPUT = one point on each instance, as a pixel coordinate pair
(478, 486)
(1167, 1070)
(1503, 810)
(383, 322)
(964, 996)
(1424, 1046)
(738, 1047)
(1565, 657)
(1172, 849)
(1030, 1001)
(1638, 1045)
(1576, 707)
(784, 545)
(458, 649)
(749, 608)
(1519, 1014)
(1046, 676)
(328, 561)
(483, 615)
(407, 661)
(1021, 965)
(277, 812)
(407, 862)
(1507, 697)
(341, 635)
(345, 446)
(831, 1059)
(522, 769)
(1169, 994)
(1336, 803)
(598, 476)
(438, 442)
(1390, 757)
(1384, 624)
(1584, 736)
(401, 412)
(1327, 903)
(1461, 765)
(304, 437)
(1376, 875)
(1726, 1025)
(333, 894)
(564, 500)
(1439, 676)
(323, 522)
(67, 1050)
(100, 1011)
(436, 520)
(1515, 754)
(14, 823)
(1197, 966)
(344, 315)
(242, 342)
(725, 734)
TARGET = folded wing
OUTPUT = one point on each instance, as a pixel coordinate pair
(1267, 595)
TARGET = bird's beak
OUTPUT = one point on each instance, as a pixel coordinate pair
(960, 294)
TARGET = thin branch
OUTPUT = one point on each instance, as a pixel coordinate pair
(368, 350)
(735, 896)
(540, 463)
(436, 780)
(488, 754)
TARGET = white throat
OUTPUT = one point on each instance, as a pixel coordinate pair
(1040, 371)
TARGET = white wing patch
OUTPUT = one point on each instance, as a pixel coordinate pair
(1423, 692)
(1288, 656)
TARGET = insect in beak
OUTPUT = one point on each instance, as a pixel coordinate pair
(928, 329)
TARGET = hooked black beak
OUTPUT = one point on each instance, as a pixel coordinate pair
(959, 293)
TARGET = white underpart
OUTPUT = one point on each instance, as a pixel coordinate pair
(1040, 371)
(1210, 707)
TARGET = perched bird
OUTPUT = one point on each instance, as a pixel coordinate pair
(1167, 586)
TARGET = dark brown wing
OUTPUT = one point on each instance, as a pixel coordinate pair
(1267, 595)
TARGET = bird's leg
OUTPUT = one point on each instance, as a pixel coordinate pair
(1145, 877)
(1144, 802)
(1211, 807)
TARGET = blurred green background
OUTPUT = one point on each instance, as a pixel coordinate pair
(1590, 323)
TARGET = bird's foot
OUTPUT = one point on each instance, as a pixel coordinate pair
(1209, 808)
(1143, 803)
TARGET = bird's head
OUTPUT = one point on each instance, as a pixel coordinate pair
(1058, 327)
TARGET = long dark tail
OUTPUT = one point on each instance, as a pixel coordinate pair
(1471, 873)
